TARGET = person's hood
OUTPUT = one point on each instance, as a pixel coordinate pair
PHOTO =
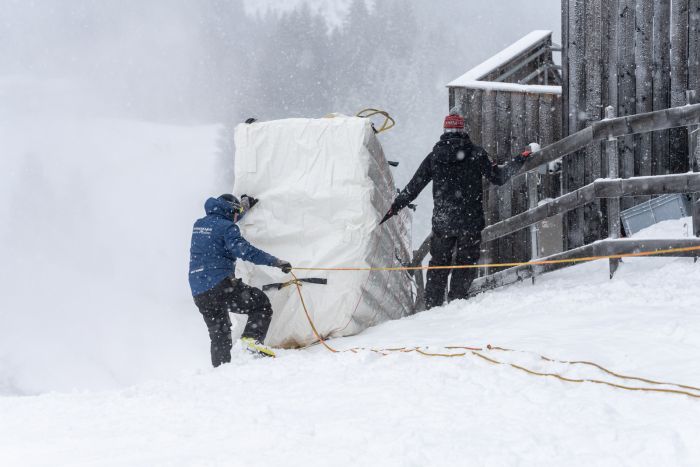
(453, 148)
(218, 207)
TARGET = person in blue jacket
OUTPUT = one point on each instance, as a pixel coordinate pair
(216, 245)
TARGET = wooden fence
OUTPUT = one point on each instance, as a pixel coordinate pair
(636, 56)
(609, 131)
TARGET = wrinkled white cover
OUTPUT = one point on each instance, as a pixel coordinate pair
(323, 186)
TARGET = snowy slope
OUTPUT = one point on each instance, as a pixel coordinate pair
(316, 408)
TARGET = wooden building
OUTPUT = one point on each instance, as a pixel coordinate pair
(509, 101)
(621, 116)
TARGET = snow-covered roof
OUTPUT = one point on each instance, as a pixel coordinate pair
(471, 79)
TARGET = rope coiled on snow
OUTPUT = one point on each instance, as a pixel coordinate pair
(686, 390)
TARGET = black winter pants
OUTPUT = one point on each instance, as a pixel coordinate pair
(465, 249)
(233, 296)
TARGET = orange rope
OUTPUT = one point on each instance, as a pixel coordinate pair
(593, 364)
(476, 352)
(509, 265)
(308, 317)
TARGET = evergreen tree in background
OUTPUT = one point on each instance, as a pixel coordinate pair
(296, 66)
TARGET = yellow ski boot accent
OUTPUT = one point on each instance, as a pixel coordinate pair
(256, 348)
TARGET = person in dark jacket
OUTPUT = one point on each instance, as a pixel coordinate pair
(216, 245)
(456, 167)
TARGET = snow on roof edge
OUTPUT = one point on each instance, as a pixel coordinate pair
(501, 58)
(509, 87)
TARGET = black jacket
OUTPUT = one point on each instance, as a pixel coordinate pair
(456, 167)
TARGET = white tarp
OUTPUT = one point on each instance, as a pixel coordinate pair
(323, 186)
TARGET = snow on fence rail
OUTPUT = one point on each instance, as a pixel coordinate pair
(603, 188)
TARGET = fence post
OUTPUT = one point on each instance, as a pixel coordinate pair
(613, 203)
(694, 163)
(532, 202)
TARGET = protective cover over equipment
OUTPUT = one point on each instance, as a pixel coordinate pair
(323, 186)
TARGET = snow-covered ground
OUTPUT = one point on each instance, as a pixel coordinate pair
(104, 359)
(313, 407)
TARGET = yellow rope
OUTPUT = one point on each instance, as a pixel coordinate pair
(509, 265)
(593, 364)
(595, 381)
(388, 123)
(476, 351)
(308, 317)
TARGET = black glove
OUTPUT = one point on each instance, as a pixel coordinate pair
(285, 266)
(248, 202)
(251, 120)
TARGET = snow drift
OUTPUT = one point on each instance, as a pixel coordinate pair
(324, 184)
(312, 407)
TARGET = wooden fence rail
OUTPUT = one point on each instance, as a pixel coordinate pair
(603, 188)
(665, 119)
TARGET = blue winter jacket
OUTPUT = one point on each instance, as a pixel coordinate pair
(216, 243)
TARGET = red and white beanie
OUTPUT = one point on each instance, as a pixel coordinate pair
(454, 122)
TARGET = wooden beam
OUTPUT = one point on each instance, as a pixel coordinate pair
(518, 123)
(644, 20)
(417, 260)
(573, 167)
(603, 248)
(475, 116)
(548, 115)
(488, 142)
(659, 120)
(611, 8)
(694, 46)
(519, 240)
(627, 84)
(696, 216)
(675, 117)
(559, 149)
(661, 78)
(462, 97)
(610, 69)
(422, 251)
(679, 82)
(593, 74)
(532, 118)
(503, 150)
(592, 225)
(613, 202)
(603, 188)
(565, 66)
(488, 123)
(503, 127)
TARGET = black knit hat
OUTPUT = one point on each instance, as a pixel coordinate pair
(232, 200)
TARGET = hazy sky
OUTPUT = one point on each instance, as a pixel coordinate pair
(138, 56)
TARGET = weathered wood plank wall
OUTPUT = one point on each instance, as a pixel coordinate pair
(694, 47)
(573, 166)
(678, 154)
(504, 120)
(661, 79)
(636, 56)
(504, 123)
